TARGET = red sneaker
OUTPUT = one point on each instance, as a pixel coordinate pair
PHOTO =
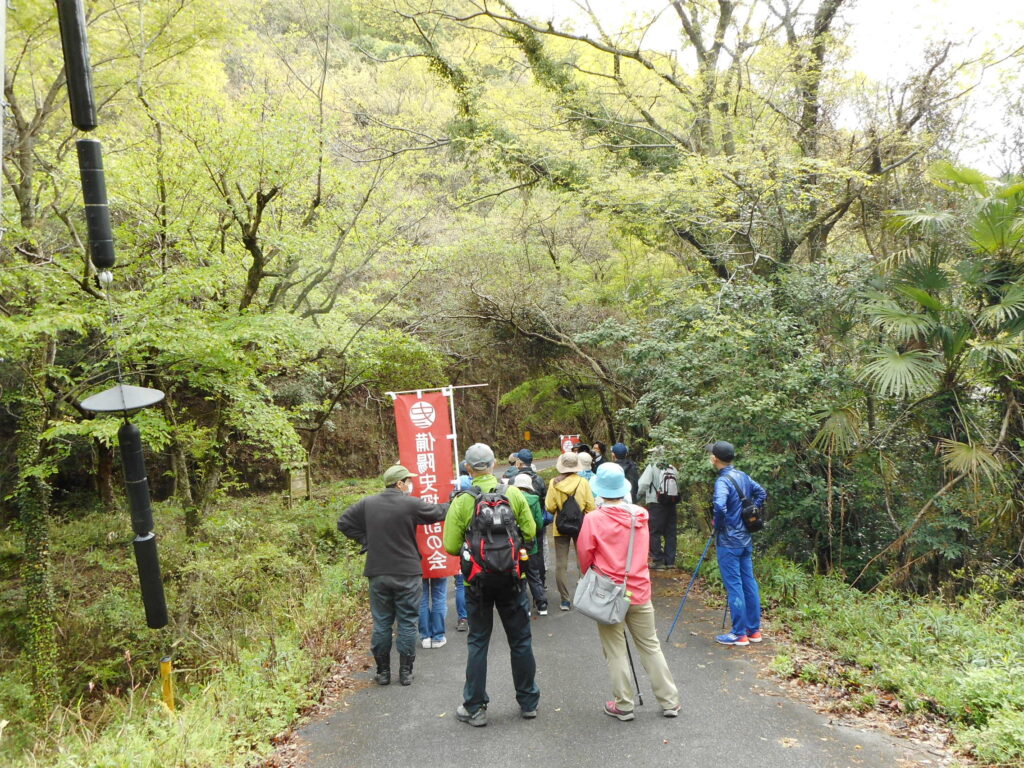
(754, 637)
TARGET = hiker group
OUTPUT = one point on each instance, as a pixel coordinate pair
(622, 524)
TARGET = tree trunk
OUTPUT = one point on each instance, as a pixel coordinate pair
(105, 474)
(33, 496)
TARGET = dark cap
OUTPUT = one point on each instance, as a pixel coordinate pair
(525, 455)
(721, 450)
(620, 450)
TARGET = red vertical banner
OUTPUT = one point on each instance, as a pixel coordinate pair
(425, 447)
(568, 442)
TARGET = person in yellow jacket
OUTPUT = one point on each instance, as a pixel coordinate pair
(567, 483)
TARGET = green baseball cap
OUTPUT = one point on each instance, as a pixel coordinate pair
(395, 473)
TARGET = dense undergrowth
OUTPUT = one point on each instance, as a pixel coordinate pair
(260, 605)
(961, 658)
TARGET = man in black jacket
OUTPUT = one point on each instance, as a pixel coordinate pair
(385, 524)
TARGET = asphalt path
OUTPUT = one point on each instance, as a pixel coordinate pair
(731, 713)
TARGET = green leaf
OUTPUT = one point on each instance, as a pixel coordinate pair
(946, 175)
(900, 374)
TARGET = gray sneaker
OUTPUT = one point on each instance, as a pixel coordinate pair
(528, 714)
(476, 719)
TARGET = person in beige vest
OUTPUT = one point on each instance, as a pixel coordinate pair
(567, 483)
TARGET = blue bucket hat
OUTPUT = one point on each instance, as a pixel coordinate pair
(610, 482)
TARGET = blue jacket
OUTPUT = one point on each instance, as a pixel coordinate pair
(727, 503)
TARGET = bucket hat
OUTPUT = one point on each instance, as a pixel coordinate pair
(568, 462)
(610, 482)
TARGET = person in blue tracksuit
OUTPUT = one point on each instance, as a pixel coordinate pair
(735, 547)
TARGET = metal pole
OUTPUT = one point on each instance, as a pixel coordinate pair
(693, 579)
(629, 655)
(450, 394)
(392, 395)
(166, 682)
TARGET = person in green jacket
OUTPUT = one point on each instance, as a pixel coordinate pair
(487, 592)
(533, 565)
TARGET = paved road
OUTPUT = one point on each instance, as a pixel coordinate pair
(730, 715)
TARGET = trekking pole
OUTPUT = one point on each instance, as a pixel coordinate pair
(629, 655)
(687, 594)
(725, 613)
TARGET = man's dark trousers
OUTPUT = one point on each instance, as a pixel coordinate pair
(663, 524)
(395, 597)
(513, 606)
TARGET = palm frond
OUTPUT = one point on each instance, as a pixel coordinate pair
(896, 321)
(900, 374)
(1008, 309)
(839, 430)
(921, 222)
(975, 461)
(1007, 348)
(946, 175)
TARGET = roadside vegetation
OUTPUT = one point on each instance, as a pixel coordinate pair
(262, 607)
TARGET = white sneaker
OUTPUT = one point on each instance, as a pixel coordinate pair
(439, 643)
(425, 642)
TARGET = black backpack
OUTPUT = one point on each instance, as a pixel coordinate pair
(751, 514)
(667, 491)
(569, 519)
(493, 538)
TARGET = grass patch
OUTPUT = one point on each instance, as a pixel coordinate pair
(260, 606)
(962, 660)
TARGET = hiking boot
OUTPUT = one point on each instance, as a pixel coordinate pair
(565, 605)
(732, 639)
(659, 567)
(462, 626)
(619, 714)
(439, 643)
(754, 637)
(383, 676)
(476, 719)
(405, 669)
(673, 712)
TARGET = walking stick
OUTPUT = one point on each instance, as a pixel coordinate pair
(687, 594)
(725, 613)
(629, 655)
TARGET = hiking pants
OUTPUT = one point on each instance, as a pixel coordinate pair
(391, 598)
(460, 596)
(663, 529)
(513, 606)
(434, 608)
(640, 621)
(561, 562)
(736, 565)
(534, 577)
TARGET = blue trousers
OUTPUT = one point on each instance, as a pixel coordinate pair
(737, 567)
(394, 598)
(460, 596)
(434, 608)
(513, 606)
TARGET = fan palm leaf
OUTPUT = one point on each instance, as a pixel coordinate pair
(900, 374)
(975, 461)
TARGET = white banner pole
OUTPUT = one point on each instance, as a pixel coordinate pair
(450, 394)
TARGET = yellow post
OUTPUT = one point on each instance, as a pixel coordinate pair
(166, 683)
(526, 435)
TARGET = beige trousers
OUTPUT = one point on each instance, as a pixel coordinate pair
(640, 620)
(561, 561)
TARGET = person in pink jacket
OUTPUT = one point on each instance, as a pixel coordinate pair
(604, 544)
